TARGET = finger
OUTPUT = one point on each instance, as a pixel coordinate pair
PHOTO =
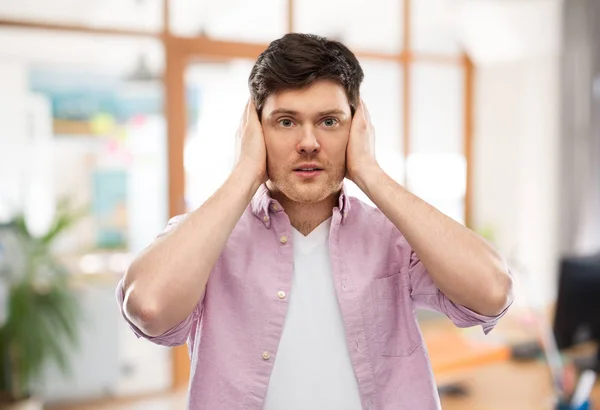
(247, 110)
(252, 114)
(368, 118)
(360, 118)
(365, 110)
(243, 117)
(242, 122)
(359, 108)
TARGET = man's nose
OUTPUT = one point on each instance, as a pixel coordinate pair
(309, 144)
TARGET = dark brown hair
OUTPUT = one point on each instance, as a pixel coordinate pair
(296, 61)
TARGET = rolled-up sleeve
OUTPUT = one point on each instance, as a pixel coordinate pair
(179, 334)
(426, 295)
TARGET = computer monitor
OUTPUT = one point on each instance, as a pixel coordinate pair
(577, 316)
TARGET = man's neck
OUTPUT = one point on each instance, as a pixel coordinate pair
(305, 217)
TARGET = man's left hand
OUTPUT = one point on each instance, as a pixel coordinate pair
(360, 152)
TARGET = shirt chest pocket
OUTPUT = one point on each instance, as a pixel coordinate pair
(397, 330)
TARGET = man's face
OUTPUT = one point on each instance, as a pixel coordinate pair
(306, 133)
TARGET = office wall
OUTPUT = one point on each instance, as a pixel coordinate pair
(516, 174)
(516, 47)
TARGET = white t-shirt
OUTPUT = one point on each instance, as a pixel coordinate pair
(312, 368)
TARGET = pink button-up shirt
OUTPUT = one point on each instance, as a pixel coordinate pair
(234, 331)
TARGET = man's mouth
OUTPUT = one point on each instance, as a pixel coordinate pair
(308, 172)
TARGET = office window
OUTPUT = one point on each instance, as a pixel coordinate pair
(437, 108)
(436, 166)
(259, 21)
(222, 92)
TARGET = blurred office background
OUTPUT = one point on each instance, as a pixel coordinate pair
(488, 109)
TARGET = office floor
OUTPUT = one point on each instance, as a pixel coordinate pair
(515, 386)
(494, 383)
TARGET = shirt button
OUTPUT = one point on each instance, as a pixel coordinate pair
(283, 239)
(266, 355)
(281, 294)
(266, 218)
(275, 207)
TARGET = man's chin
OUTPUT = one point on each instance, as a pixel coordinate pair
(312, 193)
(303, 193)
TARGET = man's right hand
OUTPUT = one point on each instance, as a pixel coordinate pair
(166, 282)
(250, 144)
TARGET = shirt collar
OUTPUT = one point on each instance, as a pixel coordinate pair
(262, 203)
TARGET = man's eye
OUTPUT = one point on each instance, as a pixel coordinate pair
(330, 122)
(286, 123)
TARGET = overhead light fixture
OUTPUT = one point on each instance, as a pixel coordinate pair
(142, 71)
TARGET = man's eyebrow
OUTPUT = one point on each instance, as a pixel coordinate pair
(331, 112)
(284, 111)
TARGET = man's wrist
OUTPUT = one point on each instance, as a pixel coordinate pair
(367, 175)
(251, 176)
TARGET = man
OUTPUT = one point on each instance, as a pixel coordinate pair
(292, 295)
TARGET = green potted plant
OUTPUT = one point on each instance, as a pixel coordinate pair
(40, 310)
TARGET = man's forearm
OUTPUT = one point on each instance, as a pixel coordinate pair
(164, 284)
(461, 263)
